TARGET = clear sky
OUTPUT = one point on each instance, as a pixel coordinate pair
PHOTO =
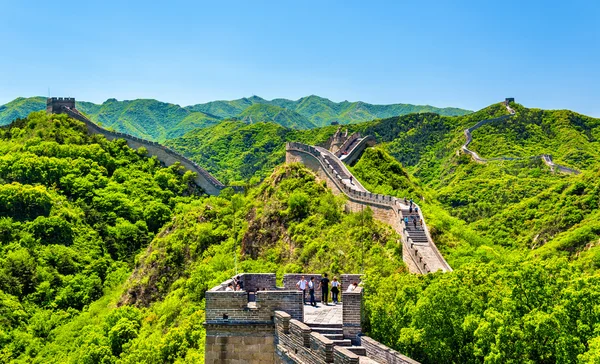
(445, 53)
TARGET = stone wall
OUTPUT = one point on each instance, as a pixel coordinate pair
(297, 343)
(352, 311)
(382, 353)
(239, 344)
(54, 105)
(357, 150)
(385, 208)
(235, 306)
(205, 180)
(259, 281)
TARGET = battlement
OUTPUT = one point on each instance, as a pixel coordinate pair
(55, 105)
(242, 324)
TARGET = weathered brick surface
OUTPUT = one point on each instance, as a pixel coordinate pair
(352, 314)
(301, 345)
(341, 355)
(233, 344)
(259, 281)
(383, 354)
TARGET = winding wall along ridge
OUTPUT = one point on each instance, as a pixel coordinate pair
(205, 180)
(357, 148)
(419, 257)
(547, 159)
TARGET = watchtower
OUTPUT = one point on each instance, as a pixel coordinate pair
(54, 105)
(508, 100)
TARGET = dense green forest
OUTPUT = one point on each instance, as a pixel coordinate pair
(154, 120)
(106, 255)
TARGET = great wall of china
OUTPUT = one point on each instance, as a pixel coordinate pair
(167, 156)
(267, 323)
(546, 158)
(419, 251)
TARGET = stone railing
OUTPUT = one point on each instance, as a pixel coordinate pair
(296, 342)
(544, 157)
(353, 155)
(383, 354)
(346, 144)
(421, 263)
(212, 185)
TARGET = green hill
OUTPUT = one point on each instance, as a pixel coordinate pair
(20, 108)
(321, 111)
(284, 117)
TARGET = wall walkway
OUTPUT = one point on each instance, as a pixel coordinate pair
(167, 156)
(547, 159)
(420, 257)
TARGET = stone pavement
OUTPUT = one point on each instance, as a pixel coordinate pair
(330, 315)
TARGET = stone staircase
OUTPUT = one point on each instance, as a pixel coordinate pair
(335, 333)
(417, 234)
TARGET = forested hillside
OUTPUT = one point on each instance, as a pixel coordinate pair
(106, 255)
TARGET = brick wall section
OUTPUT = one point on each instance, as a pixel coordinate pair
(235, 306)
(296, 343)
(205, 180)
(259, 281)
(239, 344)
(352, 314)
(341, 355)
(382, 353)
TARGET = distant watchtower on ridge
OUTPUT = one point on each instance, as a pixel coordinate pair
(54, 105)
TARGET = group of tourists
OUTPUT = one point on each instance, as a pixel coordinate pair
(336, 287)
(237, 285)
(417, 222)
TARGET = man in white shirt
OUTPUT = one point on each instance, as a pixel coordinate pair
(229, 287)
(302, 283)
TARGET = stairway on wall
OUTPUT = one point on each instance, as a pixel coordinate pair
(334, 332)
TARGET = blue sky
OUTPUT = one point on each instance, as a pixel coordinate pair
(445, 53)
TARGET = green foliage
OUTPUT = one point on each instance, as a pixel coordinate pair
(284, 117)
(75, 210)
(236, 152)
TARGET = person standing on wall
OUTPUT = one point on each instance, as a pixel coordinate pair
(324, 285)
(311, 291)
(335, 290)
(302, 283)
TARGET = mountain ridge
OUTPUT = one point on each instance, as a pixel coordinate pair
(156, 120)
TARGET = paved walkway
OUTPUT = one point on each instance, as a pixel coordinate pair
(322, 314)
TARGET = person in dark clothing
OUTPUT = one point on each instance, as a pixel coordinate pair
(415, 222)
(410, 209)
(324, 285)
(311, 291)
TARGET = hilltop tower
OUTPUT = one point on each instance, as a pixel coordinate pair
(54, 105)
